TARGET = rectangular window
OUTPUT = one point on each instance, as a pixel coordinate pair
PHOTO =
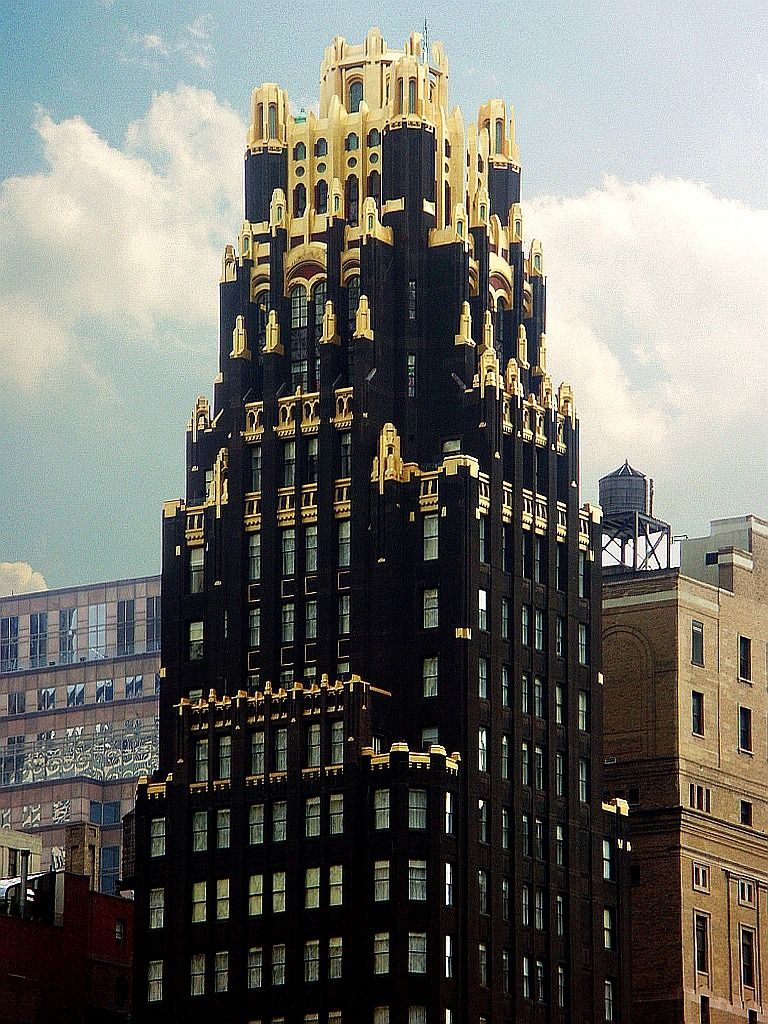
(197, 974)
(505, 756)
(449, 814)
(701, 877)
(312, 888)
(559, 773)
(154, 981)
(222, 899)
(584, 780)
(482, 609)
(430, 537)
(701, 936)
(313, 746)
(482, 749)
(745, 812)
(482, 820)
(256, 824)
(538, 767)
(381, 880)
(417, 808)
(417, 879)
(538, 838)
(336, 814)
(75, 695)
(583, 711)
(525, 749)
(449, 956)
(344, 614)
(525, 693)
(310, 547)
(745, 729)
(288, 551)
(526, 833)
(199, 896)
(17, 703)
(482, 678)
(559, 704)
(417, 953)
(429, 677)
(310, 624)
(483, 543)
(411, 300)
(539, 910)
(201, 760)
(255, 967)
(525, 625)
(430, 610)
(609, 928)
(257, 753)
(526, 906)
(526, 978)
(607, 860)
(482, 964)
(254, 556)
(196, 570)
(560, 637)
(157, 837)
(225, 757)
(697, 642)
(337, 742)
(254, 626)
(583, 644)
(289, 464)
(105, 691)
(287, 622)
(281, 750)
(609, 1001)
(381, 953)
(506, 828)
(335, 951)
(256, 895)
(448, 884)
(9, 643)
(126, 627)
(156, 908)
(222, 828)
(697, 713)
(583, 580)
(279, 820)
(345, 468)
(381, 808)
(505, 686)
(344, 543)
(195, 649)
(312, 447)
(256, 469)
(560, 915)
(67, 636)
(199, 831)
(540, 629)
(38, 640)
(539, 697)
(745, 658)
(278, 964)
(335, 885)
(278, 892)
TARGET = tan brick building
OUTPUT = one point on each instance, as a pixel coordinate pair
(686, 743)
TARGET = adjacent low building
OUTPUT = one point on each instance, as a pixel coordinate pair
(79, 671)
(686, 700)
(66, 952)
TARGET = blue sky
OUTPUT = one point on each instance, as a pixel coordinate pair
(643, 131)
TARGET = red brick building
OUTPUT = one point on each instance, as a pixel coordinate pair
(68, 958)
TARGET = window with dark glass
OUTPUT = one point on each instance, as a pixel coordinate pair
(745, 658)
(126, 627)
(745, 729)
(697, 713)
(697, 642)
(352, 198)
(38, 640)
(196, 570)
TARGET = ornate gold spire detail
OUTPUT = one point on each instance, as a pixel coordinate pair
(240, 348)
(363, 319)
(273, 343)
(464, 337)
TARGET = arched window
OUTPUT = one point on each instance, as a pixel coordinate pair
(321, 196)
(374, 137)
(500, 325)
(499, 136)
(537, 262)
(352, 199)
(299, 151)
(447, 203)
(319, 297)
(299, 200)
(262, 314)
(272, 121)
(352, 142)
(355, 96)
(298, 295)
(353, 299)
(321, 147)
(374, 186)
(412, 96)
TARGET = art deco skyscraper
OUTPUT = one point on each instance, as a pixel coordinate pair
(380, 793)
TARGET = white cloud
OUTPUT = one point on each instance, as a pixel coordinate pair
(19, 578)
(151, 50)
(657, 311)
(126, 238)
